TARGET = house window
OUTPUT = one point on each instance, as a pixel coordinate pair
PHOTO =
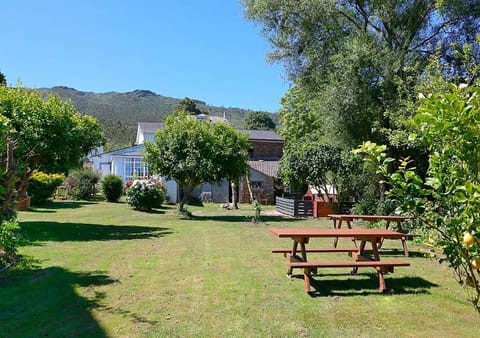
(256, 184)
(135, 168)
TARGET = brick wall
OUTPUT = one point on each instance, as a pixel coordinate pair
(266, 150)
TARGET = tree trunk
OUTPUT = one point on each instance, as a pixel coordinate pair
(9, 181)
(234, 204)
(186, 196)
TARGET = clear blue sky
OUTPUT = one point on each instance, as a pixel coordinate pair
(203, 49)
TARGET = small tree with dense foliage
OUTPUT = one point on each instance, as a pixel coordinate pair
(447, 200)
(187, 105)
(322, 166)
(42, 186)
(190, 152)
(82, 183)
(259, 120)
(39, 133)
(112, 187)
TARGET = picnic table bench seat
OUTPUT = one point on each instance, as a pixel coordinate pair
(381, 267)
(349, 264)
(318, 250)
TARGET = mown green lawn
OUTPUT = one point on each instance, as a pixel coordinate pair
(99, 269)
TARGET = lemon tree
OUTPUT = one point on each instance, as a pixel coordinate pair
(446, 202)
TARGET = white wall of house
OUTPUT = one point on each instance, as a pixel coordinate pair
(172, 190)
(118, 167)
(219, 192)
(149, 137)
(142, 136)
(102, 163)
(125, 163)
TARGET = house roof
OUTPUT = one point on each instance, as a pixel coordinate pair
(128, 151)
(269, 168)
(265, 135)
(149, 127)
(215, 119)
(317, 190)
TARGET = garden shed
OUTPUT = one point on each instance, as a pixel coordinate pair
(322, 200)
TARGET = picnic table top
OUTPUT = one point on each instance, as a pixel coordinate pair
(368, 217)
(336, 233)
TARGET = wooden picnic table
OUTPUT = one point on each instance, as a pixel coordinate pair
(297, 256)
(370, 218)
(348, 219)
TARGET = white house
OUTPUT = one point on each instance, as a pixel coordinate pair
(127, 162)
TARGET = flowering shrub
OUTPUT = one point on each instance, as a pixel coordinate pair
(146, 194)
(128, 184)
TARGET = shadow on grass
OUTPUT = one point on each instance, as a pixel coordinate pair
(61, 232)
(45, 302)
(240, 218)
(399, 252)
(358, 286)
(59, 205)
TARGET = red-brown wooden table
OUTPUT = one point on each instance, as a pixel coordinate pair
(301, 237)
(338, 219)
(370, 218)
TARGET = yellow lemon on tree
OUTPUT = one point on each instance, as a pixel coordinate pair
(476, 263)
(468, 239)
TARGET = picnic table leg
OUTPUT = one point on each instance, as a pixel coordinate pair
(361, 250)
(399, 226)
(404, 244)
(335, 241)
(376, 255)
(306, 271)
(292, 254)
(386, 228)
(306, 280)
(388, 225)
(381, 281)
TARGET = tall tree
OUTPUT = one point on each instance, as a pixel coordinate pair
(49, 135)
(353, 59)
(187, 105)
(190, 152)
(259, 120)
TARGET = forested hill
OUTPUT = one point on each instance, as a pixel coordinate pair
(118, 113)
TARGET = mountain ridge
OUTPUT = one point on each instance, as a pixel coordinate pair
(119, 112)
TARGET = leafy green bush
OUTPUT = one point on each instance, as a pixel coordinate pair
(82, 183)
(146, 194)
(42, 186)
(446, 202)
(112, 187)
(9, 240)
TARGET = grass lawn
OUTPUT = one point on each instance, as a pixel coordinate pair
(104, 270)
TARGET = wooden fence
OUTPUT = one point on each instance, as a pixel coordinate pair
(294, 208)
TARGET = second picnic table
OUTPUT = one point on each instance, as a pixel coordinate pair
(338, 220)
(370, 218)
